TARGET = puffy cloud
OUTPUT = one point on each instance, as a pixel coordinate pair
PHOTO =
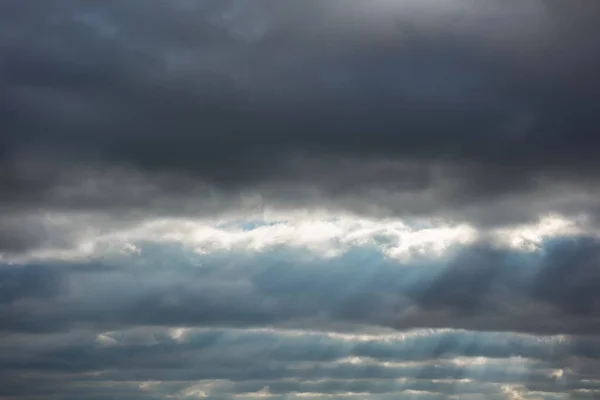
(79, 236)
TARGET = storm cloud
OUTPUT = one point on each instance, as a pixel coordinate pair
(467, 103)
(272, 198)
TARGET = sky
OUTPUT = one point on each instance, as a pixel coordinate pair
(289, 199)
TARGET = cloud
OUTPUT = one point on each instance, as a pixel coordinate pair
(29, 282)
(285, 199)
(222, 362)
(427, 105)
(72, 236)
(479, 286)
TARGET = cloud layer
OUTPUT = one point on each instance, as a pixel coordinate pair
(287, 199)
(438, 107)
(476, 321)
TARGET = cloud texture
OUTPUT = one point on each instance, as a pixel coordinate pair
(282, 199)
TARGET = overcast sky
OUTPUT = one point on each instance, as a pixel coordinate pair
(279, 199)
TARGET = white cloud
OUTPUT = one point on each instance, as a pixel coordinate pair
(319, 233)
(513, 392)
(529, 237)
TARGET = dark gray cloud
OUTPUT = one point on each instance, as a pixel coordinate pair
(227, 362)
(446, 110)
